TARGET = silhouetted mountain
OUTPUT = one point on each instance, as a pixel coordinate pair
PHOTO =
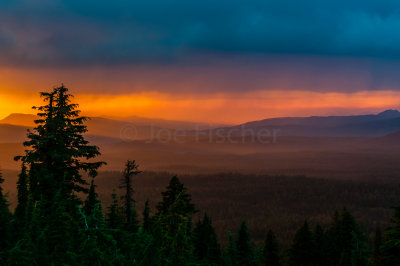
(131, 128)
(331, 126)
(25, 120)
(136, 128)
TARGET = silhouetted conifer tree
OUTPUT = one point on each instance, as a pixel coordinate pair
(321, 249)
(352, 241)
(20, 213)
(174, 224)
(91, 200)
(347, 243)
(57, 155)
(302, 251)
(271, 250)
(176, 194)
(334, 236)
(58, 148)
(230, 254)
(146, 216)
(131, 169)
(391, 246)
(206, 246)
(5, 224)
(244, 248)
(114, 217)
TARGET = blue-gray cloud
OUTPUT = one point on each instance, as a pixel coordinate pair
(47, 32)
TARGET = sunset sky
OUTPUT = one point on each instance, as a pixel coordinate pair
(210, 61)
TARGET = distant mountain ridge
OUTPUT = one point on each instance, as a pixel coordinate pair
(367, 143)
(18, 119)
(14, 126)
(330, 126)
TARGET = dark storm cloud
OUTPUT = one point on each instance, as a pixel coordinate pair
(47, 32)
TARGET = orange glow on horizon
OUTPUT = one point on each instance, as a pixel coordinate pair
(229, 108)
(216, 95)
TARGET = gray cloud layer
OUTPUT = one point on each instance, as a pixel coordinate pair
(48, 32)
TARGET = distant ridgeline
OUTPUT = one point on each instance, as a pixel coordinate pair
(330, 126)
(51, 225)
(13, 127)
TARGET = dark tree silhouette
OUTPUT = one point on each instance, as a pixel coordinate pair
(173, 224)
(271, 250)
(302, 251)
(321, 249)
(176, 195)
(146, 216)
(230, 254)
(391, 246)
(131, 169)
(20, 213)
(245, 255)
(56, 155)
(58, 150)
(114, 217)
(5, 226)
(206, 246)
(91, 200)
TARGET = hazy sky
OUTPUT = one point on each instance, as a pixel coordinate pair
(220, 61)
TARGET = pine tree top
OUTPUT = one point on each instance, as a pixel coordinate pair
(176, 195)
(57, 150)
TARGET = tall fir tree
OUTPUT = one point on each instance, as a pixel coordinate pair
(206, 246)
(321, 249)
(146, 216)
(20, 213)
(176, 195)
(352, 241)
(230, 254)
(172, 224)
(131, 170)
(302, 250)
(91, 200)
(333, 234)
(271, 250)
(347, 243)
(58, 150)
(5, 225)
(244, 248)
(117, 225)
(114, 217)
(391, 245)
(56, 155)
